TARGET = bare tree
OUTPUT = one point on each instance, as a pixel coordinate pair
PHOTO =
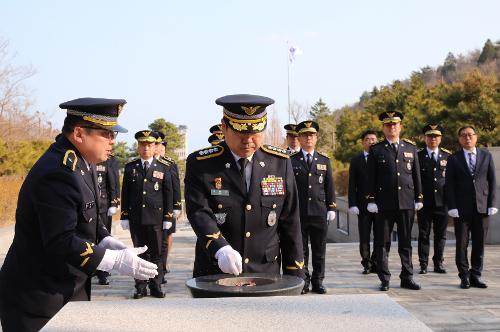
(273, 134)
(298, 112)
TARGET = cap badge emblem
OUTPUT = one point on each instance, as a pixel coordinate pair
(250, 110)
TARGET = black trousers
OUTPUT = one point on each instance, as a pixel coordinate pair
(437, 219)
(383, 230)
(366, 221)
(151, 236)
(470, 226)
(315, 230)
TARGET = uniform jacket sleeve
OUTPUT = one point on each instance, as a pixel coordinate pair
(127, 177)
(168, 196)
(353, 185)
(58, 201)
(372, 175)
(417, 181)
(113, 182)
(492, 183)
(330, 188)
(176, 186)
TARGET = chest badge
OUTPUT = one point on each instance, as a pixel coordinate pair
(158, 175)
(408, 154)
(408, 166)
(271, 218)
(218, 183)
(228, 165)
(157, 186)
(320, 180)
(443, 162)
(220, 218)
(272, 186)
(99, 179)
(262, 164)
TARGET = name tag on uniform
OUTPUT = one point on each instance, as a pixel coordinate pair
(217, 192)
(321, 167)
(100, 168)
(408, 154)
(89, 205)
(272, 186)
(158, 175)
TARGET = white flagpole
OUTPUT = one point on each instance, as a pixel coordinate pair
(288, 67)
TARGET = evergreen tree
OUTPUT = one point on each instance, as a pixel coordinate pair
(318, 110)
(489, 53)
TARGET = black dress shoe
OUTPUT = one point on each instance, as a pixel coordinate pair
(319, 289)
(477, 282)
(373, 269)
(305, 289)
(384, 286)
(464, 283)
(423, 270)
(366, 270)
(439, 269)
(140, 293)
(155, 292)
(103, 280)
(409, 284)
(163, 280)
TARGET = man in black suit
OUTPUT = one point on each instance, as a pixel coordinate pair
(358, 189)
(292, 138)
(314, 176)
(433, 160)
(394, 193)
(147, 204)
(470, 192)
(59, 239)
(241, 198)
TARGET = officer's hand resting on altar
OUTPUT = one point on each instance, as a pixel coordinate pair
(229, 260)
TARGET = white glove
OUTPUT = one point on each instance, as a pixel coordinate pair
(124, 224)
(492, 211)
(453, 213)
(229, 260)
(128, 263)
(177, 213)
(167, 224)
(372, 207)
(110, 242)
(419, 205)
(330, 216)
(354, 210)
(111, 211)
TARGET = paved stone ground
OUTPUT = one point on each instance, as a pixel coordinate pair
(441, 304)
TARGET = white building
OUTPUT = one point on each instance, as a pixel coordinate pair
(182, 152)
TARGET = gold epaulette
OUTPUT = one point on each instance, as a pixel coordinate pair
(167, 158)
(163, 161)
(323, 154)
(409, 141)
(445, 150)
(275, 150)
(211, 152)
(70, 159)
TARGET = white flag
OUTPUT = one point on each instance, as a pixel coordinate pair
(292, 52)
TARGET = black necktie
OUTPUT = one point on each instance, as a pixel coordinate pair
(395, 147)
(243, 162)
(433, 158)
(146, 166)
(309, 160)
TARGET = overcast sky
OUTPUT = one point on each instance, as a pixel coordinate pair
(172, 59)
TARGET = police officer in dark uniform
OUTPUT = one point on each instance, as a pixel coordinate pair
(241, 198)
(314, 176)
(161, 145)
(433, 160)
(394, 193)
(471, 196)
(215, 140)
(358, 190)
(55, 252)
(108, 185)
(292, 138)
(147, 198)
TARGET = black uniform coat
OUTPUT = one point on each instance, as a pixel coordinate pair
(433, 177)
(108, 183)
(147, 199)
(53, 254)
(394, 178)
(315, 185)
(260, 226)
(358, 182)
(469, 193)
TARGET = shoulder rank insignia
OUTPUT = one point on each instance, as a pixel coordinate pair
(210, 152)
(167, 158)
(422, 149)
(445, 150)
(294, 153)
(323, 154)
(70, 159)
(275, 151)
(164, 161)
(409, 141)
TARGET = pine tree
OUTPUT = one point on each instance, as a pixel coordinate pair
(319, 109)
(489, 52)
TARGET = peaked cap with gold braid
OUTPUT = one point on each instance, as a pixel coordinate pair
(307, 127)
(146, 136)
(433, 129)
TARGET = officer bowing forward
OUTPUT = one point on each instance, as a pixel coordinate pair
(314, 176)
(241, 198)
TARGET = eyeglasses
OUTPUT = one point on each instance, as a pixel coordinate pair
(109, 134)
(467, 135)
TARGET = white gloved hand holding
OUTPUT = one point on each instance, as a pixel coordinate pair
(419, 205)
(372, 207)
(167, 224)
(111, 211)
(492, 211)
(354, 210)
(128, 263)
(453, 213)
(125, 224)
(229, 260)
(110, 242)
(330, 216)
(177, 213)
